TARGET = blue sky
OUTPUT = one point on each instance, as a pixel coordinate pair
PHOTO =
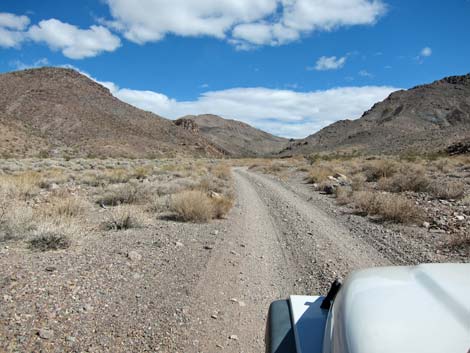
(287, 66)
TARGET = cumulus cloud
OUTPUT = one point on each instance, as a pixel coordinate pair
(11, 27)
(282, 112)
(325, 63)
(244, 23)
(426, 51)
(75, 43)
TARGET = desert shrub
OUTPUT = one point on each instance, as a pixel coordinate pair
(273, 168)
(389, 207)
(49, 241)
(175, 186)
(124, 217)
(117, 176)
(358, 182)
(142, 172)
(343, 195)
(24, 185)
(159, 204)
(16, 220)
(319, 174)
(409, 178)
(381, 168)
(192, 206)
(222, 171)
(447, 189)
(221, 205)
(69, 206)
(129, 193)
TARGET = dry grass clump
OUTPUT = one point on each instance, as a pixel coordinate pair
(24, 185)
(381, 168)
(192, 206)
(129, 193)
(221, 171)
(16, 219)
(447, 189)
(343, 195)
(319, 174)
(124, 217)
(408, 178)
(68, 206)
(221, 204)
(389, 207)
(49, 241)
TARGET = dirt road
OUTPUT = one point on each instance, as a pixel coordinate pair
(278, 243)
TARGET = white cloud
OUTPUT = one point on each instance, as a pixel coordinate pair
(244, 23)
(12, 21)
(329, 63)
(426, 51)
(11, 27)
(75, 43)
(10, 39)
(282, 112)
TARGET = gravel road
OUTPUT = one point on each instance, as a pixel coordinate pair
(278, 243)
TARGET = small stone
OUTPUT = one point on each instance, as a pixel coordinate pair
(208, 247)
(426, 224)
(219, 346)
(233, 337)
(179, 244)
(234, 300)
(215, 232)
(7, 298)
(233, 252)
(46, 334)
(70, 339)
(87, 307)
(242, 304)
(460, 218)
(134, 255)
(214, 316)
(51, 268)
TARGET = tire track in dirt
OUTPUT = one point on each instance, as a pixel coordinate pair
(277, 244)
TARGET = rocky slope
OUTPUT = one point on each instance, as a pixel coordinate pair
(56, 111)
(422, 119)
(234, 137)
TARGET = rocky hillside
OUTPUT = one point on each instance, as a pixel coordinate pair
(56, 111)
(422, 119)
(233, 137)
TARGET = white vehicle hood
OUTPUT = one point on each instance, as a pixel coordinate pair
(425, 308)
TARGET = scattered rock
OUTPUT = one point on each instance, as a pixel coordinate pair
(214, 316)
(50, 269)
(179, 244)
(134, 255)
(46, 334)
(426, 224)
(208, 247)
(233, 337)
(70, 339)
